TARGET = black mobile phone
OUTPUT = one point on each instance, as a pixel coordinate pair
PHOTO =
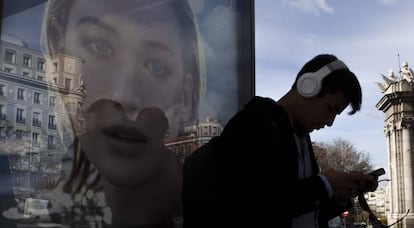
(377, 172)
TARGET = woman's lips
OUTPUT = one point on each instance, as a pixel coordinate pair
(126, 134)
(125, 142)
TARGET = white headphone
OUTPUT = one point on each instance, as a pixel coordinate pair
(309, 84)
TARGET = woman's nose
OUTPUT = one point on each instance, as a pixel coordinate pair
(128, 96)
(131, 113)
(126, 90)
(131, 103)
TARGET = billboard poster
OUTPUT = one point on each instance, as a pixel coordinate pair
(102, 101)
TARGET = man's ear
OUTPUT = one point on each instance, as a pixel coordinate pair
(55, 36)
(188, 93)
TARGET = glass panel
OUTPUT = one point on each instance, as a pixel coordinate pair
(125, 88)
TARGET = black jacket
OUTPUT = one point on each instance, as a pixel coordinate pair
(249, 174)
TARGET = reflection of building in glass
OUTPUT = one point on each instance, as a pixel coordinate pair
(195, 135)
(38, 96)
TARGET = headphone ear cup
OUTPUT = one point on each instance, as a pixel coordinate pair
(308, 85)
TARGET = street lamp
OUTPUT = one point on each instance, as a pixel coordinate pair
(30, 169)
(30, 153)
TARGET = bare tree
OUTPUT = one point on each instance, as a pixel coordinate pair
(342, 156)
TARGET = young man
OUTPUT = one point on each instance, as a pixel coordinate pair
(262, 169)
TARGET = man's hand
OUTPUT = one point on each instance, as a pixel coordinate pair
(350, 185)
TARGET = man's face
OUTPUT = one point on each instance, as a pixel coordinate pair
(321, 111)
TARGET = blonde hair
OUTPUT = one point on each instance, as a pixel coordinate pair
(57, 11)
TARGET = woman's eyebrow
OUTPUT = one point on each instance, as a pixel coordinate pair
(159, 45)
(97, 22)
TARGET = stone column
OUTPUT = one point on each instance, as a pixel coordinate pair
(407, 124)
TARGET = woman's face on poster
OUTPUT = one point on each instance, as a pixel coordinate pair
(133, 59)
(133, 54)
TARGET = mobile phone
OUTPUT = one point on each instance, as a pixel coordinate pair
(377, 172)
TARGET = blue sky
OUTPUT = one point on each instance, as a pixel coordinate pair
(371, 36)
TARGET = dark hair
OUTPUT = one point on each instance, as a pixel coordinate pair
(339, 80)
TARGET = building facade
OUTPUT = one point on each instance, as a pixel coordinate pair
(39, 96)
(195, 135)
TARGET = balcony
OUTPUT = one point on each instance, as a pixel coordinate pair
(52, 126)
(51, 146)
(21, 120)
(37, 123)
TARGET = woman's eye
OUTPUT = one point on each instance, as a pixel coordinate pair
(100, 47)
(156, 67)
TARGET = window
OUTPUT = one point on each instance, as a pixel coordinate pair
(27, 61)
(36, 119)
(10, 56)
(55, 66)
(215, 132)
(70, 106)
(19, 134)
(2, 112)
(35, 139)
(41, 64)
(52, 101)
(26, 73)
(20, 93)
(40, 78)
(67, 83)
(36, 97)
(2, 88)
(20, 116)
(50, 142)
(52, 124)
(205, 130)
